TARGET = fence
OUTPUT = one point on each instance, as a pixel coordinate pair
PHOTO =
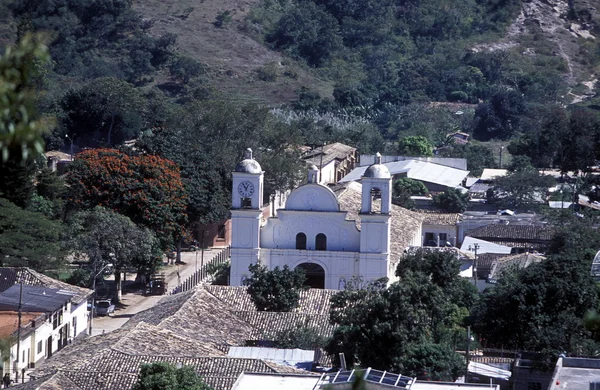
(200, 275)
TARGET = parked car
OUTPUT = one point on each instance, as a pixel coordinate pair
(104, 308)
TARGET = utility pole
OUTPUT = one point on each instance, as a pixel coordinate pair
(19, 325)
(70, 139)
(202, 249)
(474, 248)
(468, 354)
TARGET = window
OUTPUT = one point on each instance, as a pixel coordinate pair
(40, 346)
(23, 357)
(429, 240)
(221, 232)
(300, 241)
(321, 242)
(246, 203)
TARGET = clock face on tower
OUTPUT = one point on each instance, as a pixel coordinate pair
(246, 189)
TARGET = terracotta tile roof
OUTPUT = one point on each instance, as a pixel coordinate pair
(405, 224)
(61, 156)
(193, 328)
(147, 339)
(268, 324)
(112, 370)
(522, 260)
(312, 301)
(334, 151)
(512, 232)
(485, 263)
(9, 321)
(437, 218)
(12, 275)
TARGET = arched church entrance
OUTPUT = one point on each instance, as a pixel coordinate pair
(315, 275)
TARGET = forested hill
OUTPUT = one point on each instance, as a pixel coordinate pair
(364, 72)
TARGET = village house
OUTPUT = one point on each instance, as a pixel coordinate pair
(334, 161)
(52, 314)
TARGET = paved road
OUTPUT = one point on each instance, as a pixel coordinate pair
(132, 303)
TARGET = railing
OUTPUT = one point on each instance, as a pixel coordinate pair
(200, 275)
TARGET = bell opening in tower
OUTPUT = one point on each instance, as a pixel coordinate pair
(246, 203)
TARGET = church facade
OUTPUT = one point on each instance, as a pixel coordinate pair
(312, 231)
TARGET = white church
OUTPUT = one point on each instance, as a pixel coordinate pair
(333, 234)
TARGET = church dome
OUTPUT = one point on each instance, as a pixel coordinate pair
(377, 170)
(248, 164)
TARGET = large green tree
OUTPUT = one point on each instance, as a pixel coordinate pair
(404, 188)
(540, 308)
(277, 289)
(166, 376)
(21, 126)
(415, 145)
(147, 189)
(207, 139)
(389, 327)
(105, 237)
(452, 200)
(105, 111)
(522, 186)
(29, 239)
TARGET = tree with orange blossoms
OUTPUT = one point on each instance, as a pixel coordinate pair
(147, 189)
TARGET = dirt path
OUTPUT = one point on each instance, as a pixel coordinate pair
(132, 303)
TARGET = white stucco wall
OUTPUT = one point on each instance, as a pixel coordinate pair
(281, 232)
(328, 173)
(450, 231)
(81, 313)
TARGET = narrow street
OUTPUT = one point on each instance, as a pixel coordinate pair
(132, 303)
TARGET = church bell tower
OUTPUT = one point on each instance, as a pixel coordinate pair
(246, 211)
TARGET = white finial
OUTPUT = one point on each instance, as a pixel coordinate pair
(378, 158)
(248, 154)
(313, 173)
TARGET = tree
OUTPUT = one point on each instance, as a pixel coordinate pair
(308, 32)
(303, 337)
(404, 188)
(388, 327)
(522, 186)
(275, 290)
(165, 376)
(207, 140)
(415, 145)
(436, 362)
(28, 239)
(539, 308)
(21, 127)
(478, 157)
(106, 237)
(106, 111)
(184, 68)
(452, 200)
(147, 189)
(500, 116)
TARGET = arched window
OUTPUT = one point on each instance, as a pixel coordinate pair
(300, 241)
(321, 242)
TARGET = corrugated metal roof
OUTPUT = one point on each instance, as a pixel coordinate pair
(418, 170)
(288, 357)
(484, 246)
(491, 174)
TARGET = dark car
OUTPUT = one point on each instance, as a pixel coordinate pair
(104, 308)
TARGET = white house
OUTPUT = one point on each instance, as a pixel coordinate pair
(314, 230)
(53, 313)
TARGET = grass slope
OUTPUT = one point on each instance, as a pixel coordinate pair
(233, 58)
